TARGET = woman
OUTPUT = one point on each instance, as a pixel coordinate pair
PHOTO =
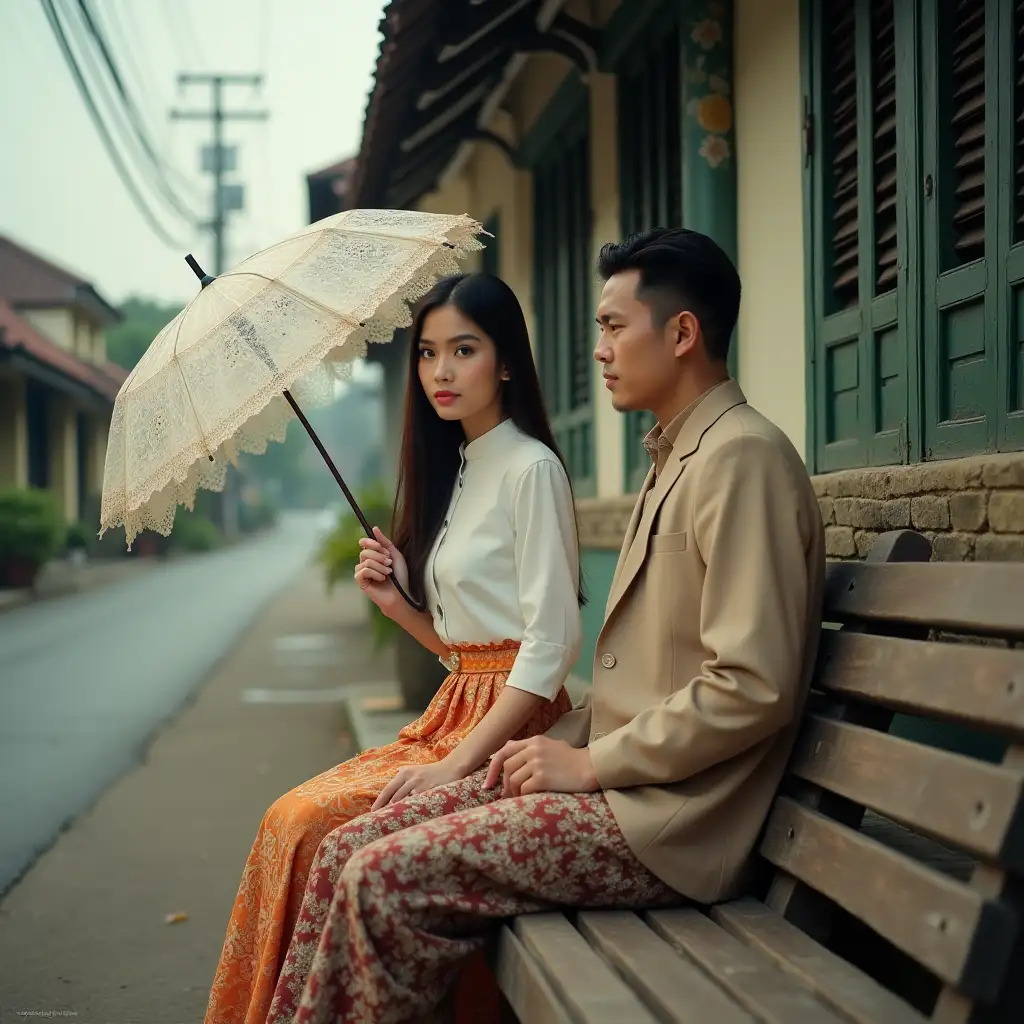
(485, 533)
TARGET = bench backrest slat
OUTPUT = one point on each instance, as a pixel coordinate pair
(981, 686)
(937, 920)
(974, 805)
(967, 597)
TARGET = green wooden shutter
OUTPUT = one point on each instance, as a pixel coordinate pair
(860, 380)
(1010, 219)
(649, 94)
(960, 285)
(562, 294)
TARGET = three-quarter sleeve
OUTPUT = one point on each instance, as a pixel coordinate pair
(547, 572)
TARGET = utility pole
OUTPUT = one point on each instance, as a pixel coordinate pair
(217, 158)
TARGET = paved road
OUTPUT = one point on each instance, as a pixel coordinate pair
(86, 681)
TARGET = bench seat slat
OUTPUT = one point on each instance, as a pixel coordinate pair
(678, 990)
(967, 683)
(970, 597)
(969, 803)
(526, 988)
(940, 922)
(591, 990)
(845, 988)
(753, 980)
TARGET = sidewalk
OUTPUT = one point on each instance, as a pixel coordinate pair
(85, 930)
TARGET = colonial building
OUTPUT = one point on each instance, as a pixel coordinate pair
(56, 386)
(860, 159)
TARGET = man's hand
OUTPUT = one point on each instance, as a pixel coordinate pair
(542, 765)
(417, 779)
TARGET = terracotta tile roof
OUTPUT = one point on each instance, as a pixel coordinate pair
(27, 279)
(17, 335)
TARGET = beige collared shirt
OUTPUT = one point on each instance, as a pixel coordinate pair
(659, 440)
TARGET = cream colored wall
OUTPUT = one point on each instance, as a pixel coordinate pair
(56, 324)
(13, 432)
(609, 435)
(99, 348)
(64, 456)
(770, 210)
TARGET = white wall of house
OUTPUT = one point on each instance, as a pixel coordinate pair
(58, 325)
(770, 210)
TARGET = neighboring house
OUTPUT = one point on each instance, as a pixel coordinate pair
(57, 388)
(328, 188)
(858, 158)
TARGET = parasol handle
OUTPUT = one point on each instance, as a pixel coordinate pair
(345, 490)
(206, 279)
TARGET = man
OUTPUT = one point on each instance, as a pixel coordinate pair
(654, 790)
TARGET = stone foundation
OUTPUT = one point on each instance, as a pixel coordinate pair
(971, 509)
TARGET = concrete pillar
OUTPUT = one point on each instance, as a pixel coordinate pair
(609, 435)
(64, 456)
(13, 433)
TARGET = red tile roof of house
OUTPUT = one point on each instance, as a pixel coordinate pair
(17, 335)
(27, 279)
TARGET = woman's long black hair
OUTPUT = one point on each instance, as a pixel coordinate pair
(429, 458)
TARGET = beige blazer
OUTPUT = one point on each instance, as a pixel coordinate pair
(703, 663)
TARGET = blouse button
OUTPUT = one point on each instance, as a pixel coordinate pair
(608, 660)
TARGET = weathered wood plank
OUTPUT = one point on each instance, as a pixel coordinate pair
(941, 923)
(526, 988)
(987, 599)
(979, 686)
(843, 987)
(590, 990)
(751, 979)
(969, 803)
(677, 990)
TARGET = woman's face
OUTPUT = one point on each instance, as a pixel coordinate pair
(459, 371)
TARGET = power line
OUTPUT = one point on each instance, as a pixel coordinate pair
(108, 142)
(135, 119)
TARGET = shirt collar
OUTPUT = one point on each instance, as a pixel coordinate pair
(491, 442)
(660, 440)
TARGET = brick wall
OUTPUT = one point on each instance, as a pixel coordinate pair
(971, 509)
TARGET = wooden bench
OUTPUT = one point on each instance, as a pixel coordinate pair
(891, 886)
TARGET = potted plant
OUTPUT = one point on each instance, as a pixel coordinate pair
(419, 672)
(31, 533)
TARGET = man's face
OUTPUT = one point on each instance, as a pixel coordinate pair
(637, 355)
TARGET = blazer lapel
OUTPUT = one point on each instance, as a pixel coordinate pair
(715, 404)
(631, 529)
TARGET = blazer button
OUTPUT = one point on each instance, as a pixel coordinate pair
(608, 660)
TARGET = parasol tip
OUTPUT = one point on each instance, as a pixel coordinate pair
(204, 278)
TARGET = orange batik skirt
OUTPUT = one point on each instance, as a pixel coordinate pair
(270, 895)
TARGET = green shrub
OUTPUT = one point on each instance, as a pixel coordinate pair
(339, 551)
(31, 525)
(193, 532)
(79, 538)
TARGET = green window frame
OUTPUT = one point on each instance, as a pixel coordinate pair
(559, 154)
(650, 119)
(914, 230)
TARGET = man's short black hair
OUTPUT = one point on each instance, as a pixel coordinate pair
(681, 269)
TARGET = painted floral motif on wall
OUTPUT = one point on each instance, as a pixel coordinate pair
(708, 85)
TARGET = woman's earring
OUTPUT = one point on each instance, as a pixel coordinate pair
(504, 375)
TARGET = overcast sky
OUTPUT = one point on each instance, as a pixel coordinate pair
(59, 192)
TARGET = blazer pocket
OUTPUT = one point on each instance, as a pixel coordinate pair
(668, 542)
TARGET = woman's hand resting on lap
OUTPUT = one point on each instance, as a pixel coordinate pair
(417, 779)
(378, 560)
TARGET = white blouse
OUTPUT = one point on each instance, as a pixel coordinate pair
(505, 565)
